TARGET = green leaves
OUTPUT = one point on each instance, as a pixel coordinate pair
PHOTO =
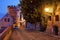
(30, 10)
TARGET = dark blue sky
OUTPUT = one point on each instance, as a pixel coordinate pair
(4, 4)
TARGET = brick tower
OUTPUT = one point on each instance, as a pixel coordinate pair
(15, 13)
(12, 10)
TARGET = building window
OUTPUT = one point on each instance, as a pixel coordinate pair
(49, 18)
(8, 20)
(57, 18)
(5, 20)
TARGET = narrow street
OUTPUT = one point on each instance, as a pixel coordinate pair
(21, 34)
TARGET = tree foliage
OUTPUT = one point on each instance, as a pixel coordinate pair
(30, 10)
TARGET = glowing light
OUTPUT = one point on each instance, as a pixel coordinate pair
(46, 9)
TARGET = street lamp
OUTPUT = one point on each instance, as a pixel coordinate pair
(46, 9)
(49, 11)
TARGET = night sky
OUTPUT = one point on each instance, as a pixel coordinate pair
(4, 4)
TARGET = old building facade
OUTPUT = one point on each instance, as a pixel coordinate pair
(50, 10)
(14, 11)
(6, 21)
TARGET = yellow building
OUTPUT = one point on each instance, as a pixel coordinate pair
(51, 15)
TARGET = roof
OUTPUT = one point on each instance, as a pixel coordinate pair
(6, 15)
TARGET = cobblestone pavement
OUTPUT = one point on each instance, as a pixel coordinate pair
(21, 34)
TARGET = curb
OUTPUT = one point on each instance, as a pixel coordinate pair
(55, 36)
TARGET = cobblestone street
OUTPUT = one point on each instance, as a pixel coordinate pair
(29, 35)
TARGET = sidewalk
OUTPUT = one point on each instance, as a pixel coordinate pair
(52, 35)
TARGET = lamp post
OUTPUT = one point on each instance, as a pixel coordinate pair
(49, 11)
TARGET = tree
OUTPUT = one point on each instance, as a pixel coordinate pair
(30, 10)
